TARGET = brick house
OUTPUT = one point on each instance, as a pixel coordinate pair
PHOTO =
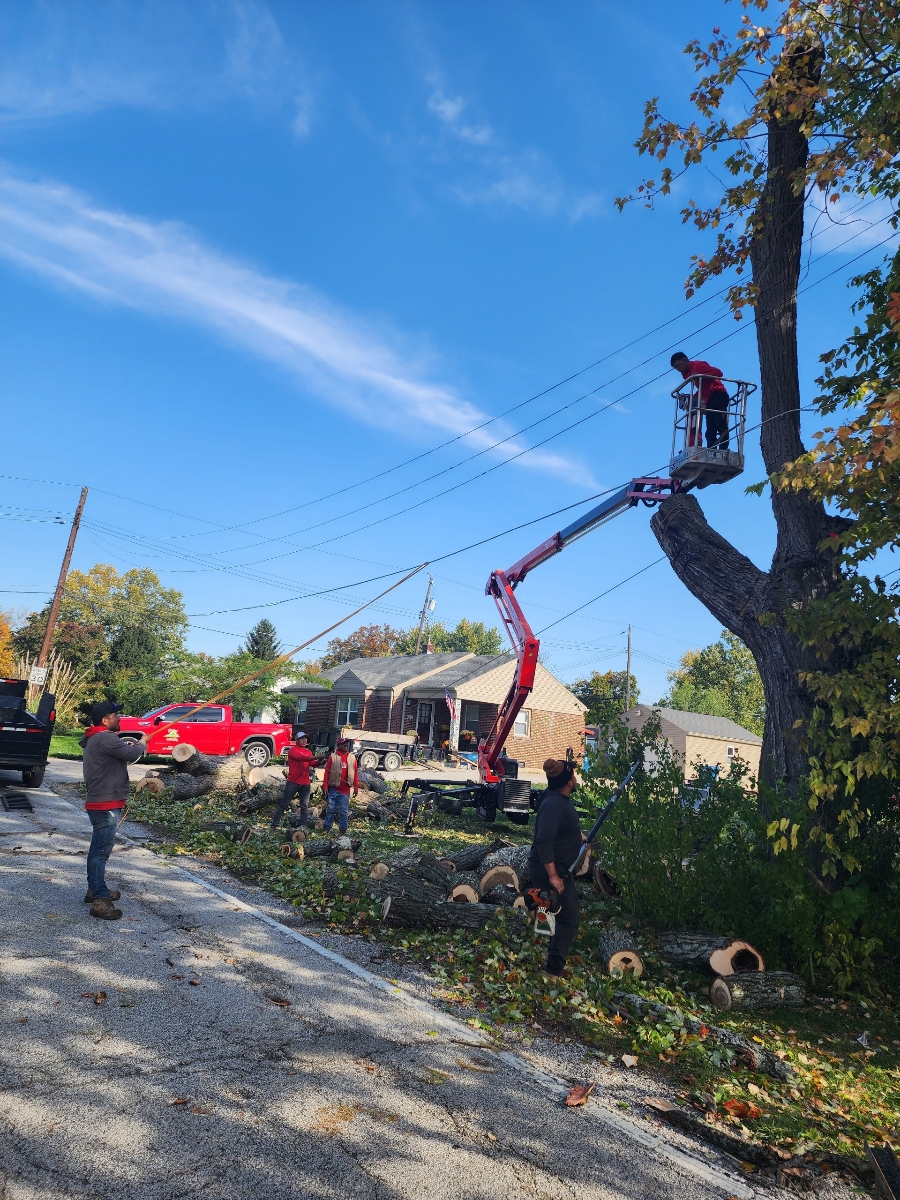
(711, 740)
(407, 694)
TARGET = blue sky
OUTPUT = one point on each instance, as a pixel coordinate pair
(255, 254)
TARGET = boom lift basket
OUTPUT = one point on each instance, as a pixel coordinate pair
(692, 461)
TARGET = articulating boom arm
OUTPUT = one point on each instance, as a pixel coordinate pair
(502, 584)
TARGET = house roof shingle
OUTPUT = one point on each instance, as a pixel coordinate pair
(702, 725)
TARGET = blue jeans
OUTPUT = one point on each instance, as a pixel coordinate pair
(105, 822)
(339, 801)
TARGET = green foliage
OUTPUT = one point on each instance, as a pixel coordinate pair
(102, 597)
(262, 641)
(604, 695)
(720, 680)
(369, 641)
(378, 641)
(466, 637)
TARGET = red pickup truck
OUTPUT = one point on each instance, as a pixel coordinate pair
(212, 730)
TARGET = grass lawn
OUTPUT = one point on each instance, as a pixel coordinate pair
(65, 745)
(841, 1093)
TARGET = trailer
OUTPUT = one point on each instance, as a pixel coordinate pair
(372, 749)
(24, 736)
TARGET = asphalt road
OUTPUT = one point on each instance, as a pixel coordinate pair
(191, 1079)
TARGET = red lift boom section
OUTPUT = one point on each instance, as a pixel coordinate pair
(692, 465)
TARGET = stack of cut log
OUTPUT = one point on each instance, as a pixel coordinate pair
(194, 774)
(463, 891)
(742, 981)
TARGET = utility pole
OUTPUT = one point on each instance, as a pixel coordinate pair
(61, 584)
(426, 609)
(628, 674)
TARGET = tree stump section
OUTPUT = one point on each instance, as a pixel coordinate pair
(705, 952)
(470, 858)
(153, 785)
(499, 874)
(413, 914)
(514, 857)
(425, 866)
(401, 883)
(604, 883)
(379, 870)
(465, 888)
(757, 989)
(619, 952)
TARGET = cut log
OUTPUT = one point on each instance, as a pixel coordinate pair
(401, 883)
(379, 870)
(604, 882)
(690, 1122)
(448, 865)
(519, 902)
(261, 797)
(502, 895)
(757, 1057)
(191, 761)
(154, 786)
(618, 952)
(319, 848)
(471, 857)
(347, 857)
(228, 771)
(417, 862)
(298, 836)
(372, 781)
(515, 857)
(287, 850)
(188, 787)
(254, 775)
(757, 989)
(413, 914)
(706, 952)
(499, 874)
(466, 888)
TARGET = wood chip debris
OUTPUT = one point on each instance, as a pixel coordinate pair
(279, 1000)
(578, 1095)
(97, 997)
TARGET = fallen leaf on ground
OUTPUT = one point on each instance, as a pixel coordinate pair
(199, 1111)
(578, 1095)
(629, 1060)
(194, 982)
(740, 1108)
(280, 1001)
(178, 977)
(491, 1137)
(180, 1100)
(332, 1118)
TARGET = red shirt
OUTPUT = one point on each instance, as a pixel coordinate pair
(707, 386)
(300, 759)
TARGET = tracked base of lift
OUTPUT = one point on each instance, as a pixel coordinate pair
(699, 466)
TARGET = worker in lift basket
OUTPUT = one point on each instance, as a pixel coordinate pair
(707, 396)
(340, 780)
(556, 845)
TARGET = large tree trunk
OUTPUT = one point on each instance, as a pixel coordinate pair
(735, 591)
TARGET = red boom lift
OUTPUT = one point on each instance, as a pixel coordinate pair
(692, 465)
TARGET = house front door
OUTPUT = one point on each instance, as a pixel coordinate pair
(425, 722)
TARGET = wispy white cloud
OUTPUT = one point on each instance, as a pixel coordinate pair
(73, 57)
(164, 268)
(524, 179)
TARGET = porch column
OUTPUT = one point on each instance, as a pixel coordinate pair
(454, 727)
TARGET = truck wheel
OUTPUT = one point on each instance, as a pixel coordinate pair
(392, 761)
(258, 754)
(34, 776)
(368, 760)
(128, 739)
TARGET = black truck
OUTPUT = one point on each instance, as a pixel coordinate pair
(24, 736)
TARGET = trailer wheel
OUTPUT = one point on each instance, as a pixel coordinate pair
(34, 776)
(392, 761)
(517, 818)
(368, 760)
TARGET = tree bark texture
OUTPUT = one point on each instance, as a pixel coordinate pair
(471, 857)
(424, 866)
(618, 952)
(758, 989)
(708, 952)
(734, 590)
(465, 887)
(415, 915)
(401, 883)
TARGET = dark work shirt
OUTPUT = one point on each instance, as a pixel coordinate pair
(557, 833)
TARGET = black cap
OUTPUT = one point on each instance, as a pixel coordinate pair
(99, 711)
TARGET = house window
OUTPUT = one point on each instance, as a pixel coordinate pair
(522, 727)
(470, 718)
(731, 751)
(348, 710)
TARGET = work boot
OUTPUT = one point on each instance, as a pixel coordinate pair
(105, 910)
(89, 896)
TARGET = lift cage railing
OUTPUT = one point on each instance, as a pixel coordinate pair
(706, 451)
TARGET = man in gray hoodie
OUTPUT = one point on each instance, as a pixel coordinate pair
(105, 765)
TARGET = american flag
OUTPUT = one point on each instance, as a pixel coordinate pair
(451, 705)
